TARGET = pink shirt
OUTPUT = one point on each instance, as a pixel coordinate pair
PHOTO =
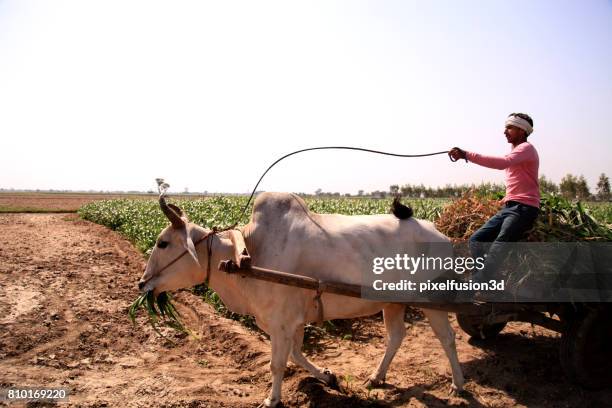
(521, 166)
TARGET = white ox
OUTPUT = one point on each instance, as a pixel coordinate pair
(284, 235)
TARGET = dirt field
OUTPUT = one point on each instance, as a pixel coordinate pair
(65, 285)
(53, 202)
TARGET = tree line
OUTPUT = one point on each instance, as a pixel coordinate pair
(571, 187)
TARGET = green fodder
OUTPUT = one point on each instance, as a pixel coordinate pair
(160, 310)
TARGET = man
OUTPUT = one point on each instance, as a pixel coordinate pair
(522, 200)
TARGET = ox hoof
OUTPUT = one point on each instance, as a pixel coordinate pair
(455, 391)
(373, 382)
(332, 380)
(268, 403)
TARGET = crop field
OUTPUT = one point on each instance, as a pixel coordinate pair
(601, 211)
(142, 221)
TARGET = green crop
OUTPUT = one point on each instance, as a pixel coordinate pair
(141, 221)
(562, 220)
(601, 211)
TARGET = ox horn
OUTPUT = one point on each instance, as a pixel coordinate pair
(174, 218)
(169, 210)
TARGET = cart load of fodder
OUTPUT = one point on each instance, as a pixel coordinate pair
(460, 219)
(560, 220)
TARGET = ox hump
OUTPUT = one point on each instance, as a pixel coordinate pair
(278, 204)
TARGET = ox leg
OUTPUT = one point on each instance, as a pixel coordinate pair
(298, 358)
(438, 320)
(281, 345)
(393, 315)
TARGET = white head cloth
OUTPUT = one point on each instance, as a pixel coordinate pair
(519, 123)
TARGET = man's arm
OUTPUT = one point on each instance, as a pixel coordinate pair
(519, 155)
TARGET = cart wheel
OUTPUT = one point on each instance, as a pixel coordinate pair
(474, 326)
(585, 352)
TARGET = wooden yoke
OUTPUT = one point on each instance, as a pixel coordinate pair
(241, 255)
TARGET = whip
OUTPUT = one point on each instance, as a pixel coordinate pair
(330, 148)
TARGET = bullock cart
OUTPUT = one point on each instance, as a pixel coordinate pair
(585, 328)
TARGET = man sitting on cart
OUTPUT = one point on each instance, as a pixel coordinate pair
(522, 200)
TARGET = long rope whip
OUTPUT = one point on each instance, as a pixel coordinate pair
(361, 149)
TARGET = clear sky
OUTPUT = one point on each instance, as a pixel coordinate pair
(112, 94)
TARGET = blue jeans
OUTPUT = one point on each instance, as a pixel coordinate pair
(508, 225)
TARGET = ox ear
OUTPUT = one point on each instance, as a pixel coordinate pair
(191, 248)
(177, 210)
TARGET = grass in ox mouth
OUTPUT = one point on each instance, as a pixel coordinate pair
(159, 310)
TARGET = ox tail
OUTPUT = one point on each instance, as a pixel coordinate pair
(401, 211)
